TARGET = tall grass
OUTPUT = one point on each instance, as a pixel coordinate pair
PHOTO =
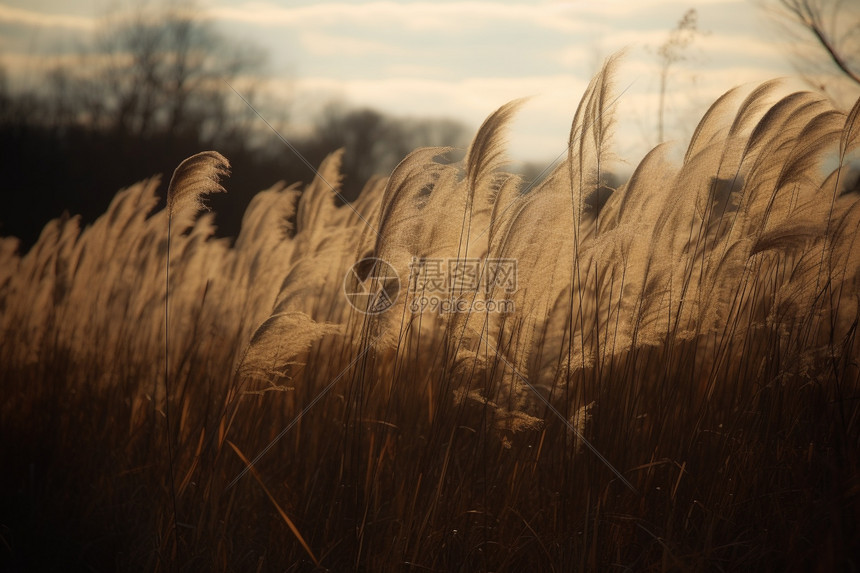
(676, 387)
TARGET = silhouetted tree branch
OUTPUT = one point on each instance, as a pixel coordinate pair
(821, 18)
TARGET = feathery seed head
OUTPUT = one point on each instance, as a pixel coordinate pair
(196, 176)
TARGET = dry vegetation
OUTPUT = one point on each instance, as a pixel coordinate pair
(695, 329)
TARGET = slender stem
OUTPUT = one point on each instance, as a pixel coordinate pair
(167, 384)
(663, 77)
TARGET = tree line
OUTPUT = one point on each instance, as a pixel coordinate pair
(151, 88)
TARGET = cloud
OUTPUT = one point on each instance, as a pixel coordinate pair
(745, 49)
(21, 17)
(413, 15)
(320, 44)
(468, 99)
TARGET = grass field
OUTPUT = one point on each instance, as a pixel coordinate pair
(671, 382)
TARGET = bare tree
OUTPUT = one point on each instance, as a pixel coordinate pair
(159, 71)
(833, 26)
(374, 142)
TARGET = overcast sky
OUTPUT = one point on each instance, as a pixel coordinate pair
(465, 59)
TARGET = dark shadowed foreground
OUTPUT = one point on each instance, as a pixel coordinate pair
(669, 383)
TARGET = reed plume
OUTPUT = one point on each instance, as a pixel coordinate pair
(670, 382)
